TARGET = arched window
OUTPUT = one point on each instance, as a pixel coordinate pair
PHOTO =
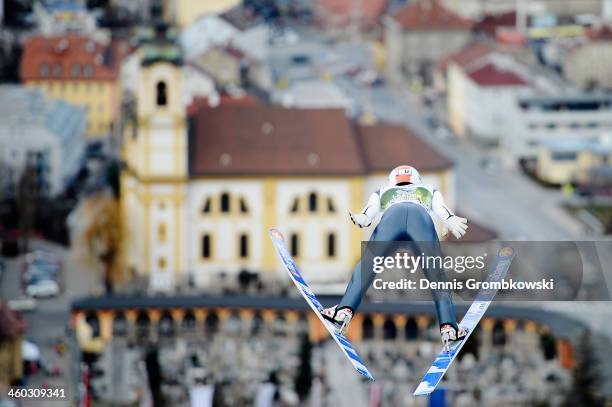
(188, 324)
(331, 245)
(161, 232)
(243, 206)
(257, 324)
(389, 330)
(211, 323)
(206, 207)
(57, 70)
(499, 334)
(120, 325)
(244, 246)
(295, 207)
(312, 202)
(166, 325)
(162, 97)
(411, 330)
(547, 344)
(142, 324)
(225, 202)
(295, 243)
(92, 319)
(330, 206)
(206, 247)
(368, 328)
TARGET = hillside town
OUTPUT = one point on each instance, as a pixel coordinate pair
(147, 147)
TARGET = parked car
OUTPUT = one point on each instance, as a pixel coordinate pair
(42, 288)
(41, 265)
(22, 304)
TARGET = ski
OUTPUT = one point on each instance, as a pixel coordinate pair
(471, 318)
(292, 269)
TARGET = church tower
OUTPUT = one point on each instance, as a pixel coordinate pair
(155, 153)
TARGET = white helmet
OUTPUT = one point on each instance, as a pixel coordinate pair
(404, 174)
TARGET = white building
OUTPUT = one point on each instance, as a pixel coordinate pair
(47, 133)
(588, 65)
(482, 87)
(537, 119)
(63, 17)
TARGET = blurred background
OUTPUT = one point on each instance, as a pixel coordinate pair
(147, 146)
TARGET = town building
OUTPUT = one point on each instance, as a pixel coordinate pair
(196, 331)
(78, 70)
(571, 160)
(235, 28)
(63, 17)
(421, 33)
(476, 9)
(481, 89)
(450, 67)
(588, 65)
(41, 132)
(541, 118)
(184, 12)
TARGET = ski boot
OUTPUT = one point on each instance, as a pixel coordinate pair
(339, 318)
(449, 334)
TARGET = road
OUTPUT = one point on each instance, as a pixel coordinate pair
(503, 199)
(51, 319)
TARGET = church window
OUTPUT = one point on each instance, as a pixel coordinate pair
(162, 97)
(312, 202)
(225, 202)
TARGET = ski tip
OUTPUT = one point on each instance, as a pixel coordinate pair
(506, 252)
(424, 389)
(276, 234)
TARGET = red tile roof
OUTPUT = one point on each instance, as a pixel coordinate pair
(387, 145)
(491, 22)
(68, 57)
(466, 55)
(261, 139)
(200, 102)
(256, 140)
(490, 75)
(340, 12)
(429, 15)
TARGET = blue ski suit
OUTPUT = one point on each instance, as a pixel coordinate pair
(406, 218)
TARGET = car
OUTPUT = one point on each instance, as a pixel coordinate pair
(43, 288)
(22, 304)
(41, 265)
(40, 270)
(42, 255)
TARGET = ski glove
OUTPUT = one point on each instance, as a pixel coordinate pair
(360, 219)
(456, 225)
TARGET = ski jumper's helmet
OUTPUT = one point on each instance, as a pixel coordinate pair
(404, 174)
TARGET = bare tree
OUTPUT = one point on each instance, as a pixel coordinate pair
(96, 232)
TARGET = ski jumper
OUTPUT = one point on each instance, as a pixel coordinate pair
(407, 217)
